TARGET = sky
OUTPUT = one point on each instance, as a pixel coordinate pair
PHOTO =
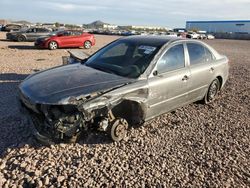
(167, 13)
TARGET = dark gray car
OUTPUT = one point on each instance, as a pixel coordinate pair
(127, 82)
(30, 34)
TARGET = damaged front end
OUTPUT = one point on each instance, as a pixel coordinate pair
(66, 123)
(55, 123)
(67, 101)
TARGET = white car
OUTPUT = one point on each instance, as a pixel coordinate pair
(210, 37)
(172, 34)
(193, 35)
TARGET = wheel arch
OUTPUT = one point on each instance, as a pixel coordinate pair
(133, 111)
(22, 35)
(220, 80)
(88, 41)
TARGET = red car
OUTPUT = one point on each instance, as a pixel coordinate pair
(66, 39)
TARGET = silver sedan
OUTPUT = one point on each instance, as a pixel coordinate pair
(129, 81)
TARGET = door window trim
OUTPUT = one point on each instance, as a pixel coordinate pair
(188, 57)
(163, 53)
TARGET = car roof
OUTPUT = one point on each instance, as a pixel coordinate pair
(151, 39)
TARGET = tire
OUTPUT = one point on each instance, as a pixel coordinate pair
(21, 38)
(87, 44)
(53, 45)
(212, 91)
(118, 129)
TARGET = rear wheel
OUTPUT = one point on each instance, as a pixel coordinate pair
(20, 38)
(53, 45)
(87, 44)
(212, 91)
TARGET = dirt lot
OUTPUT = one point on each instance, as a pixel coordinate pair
(198, 145)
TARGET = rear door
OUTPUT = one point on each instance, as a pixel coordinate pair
(168, 87)
(201, 63)
(41, 32)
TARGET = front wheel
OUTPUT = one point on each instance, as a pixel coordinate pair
(212, 91)
(20, 38)
(53, 45)
(87, 44)
(118, 129)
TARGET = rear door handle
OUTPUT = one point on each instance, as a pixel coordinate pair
(185, 78)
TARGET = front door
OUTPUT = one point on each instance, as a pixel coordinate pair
(66, 39)
(168, 87)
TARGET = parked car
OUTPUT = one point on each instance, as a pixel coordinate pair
(180, 30)
(192, 35)
(172, 34)
(202, 36)
(210, 37)
(30, 34)
(66, 39)
(127, 82)
(11, 27)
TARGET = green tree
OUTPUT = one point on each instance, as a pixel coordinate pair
(57, 24)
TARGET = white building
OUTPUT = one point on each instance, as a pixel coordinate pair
(109, 26)
(147, 27)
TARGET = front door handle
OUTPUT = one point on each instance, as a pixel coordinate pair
(185, 78)
(211, 69)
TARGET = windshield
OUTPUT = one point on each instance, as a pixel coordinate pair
(127, 58)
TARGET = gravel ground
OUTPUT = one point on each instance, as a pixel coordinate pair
(195, 146)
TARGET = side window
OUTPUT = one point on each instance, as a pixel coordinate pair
(209, 55)
(118, 50)
(198, 54)
(66, 33)
(173, 59)
(39, 30)
(42, 30)
(76, 33)
(29, 31)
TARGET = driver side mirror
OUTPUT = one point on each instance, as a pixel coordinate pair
(155, 73)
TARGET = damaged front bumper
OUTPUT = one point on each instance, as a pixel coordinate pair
(47, 130)
(38, 136)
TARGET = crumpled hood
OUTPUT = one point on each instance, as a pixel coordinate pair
(56, 84)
